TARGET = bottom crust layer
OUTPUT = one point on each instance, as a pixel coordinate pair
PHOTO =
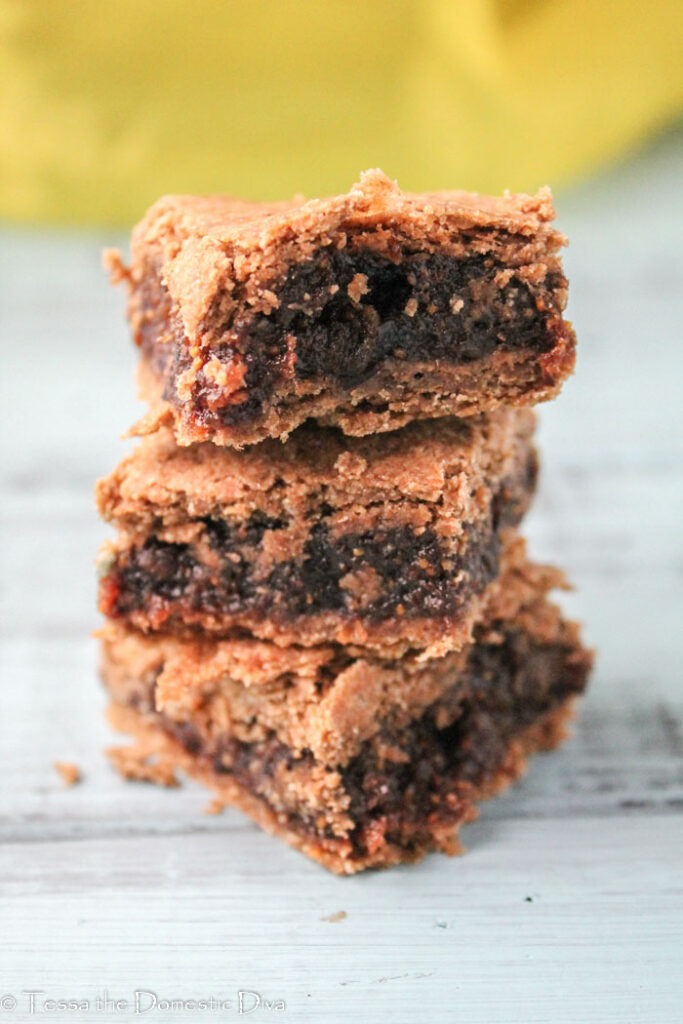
(157, 755)
(388, 401)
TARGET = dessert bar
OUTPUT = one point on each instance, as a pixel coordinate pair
(357, 761)
(385, 542)
(364, 311)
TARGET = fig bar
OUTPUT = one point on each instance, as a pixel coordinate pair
(364, 311)
(383, 542)
(357, 761)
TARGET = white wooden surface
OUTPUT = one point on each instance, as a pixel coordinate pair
(567, 907)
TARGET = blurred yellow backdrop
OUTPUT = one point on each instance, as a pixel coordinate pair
(103, 106)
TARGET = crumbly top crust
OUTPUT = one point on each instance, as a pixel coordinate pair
(216, 254)
(435, 461)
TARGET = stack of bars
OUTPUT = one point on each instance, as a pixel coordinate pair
(317, 601)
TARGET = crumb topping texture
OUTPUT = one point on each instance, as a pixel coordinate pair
(365, 310)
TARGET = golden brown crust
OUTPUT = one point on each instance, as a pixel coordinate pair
(447, 462)
(214, 264)
(207, 245)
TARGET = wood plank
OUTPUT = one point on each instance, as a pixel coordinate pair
(560, 923)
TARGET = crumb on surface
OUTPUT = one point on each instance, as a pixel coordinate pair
(333, 918)
(69, 772)
(215, 806)
(139, 765)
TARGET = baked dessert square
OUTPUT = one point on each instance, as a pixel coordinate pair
(385, 542)
(363, 311)
(358, 761)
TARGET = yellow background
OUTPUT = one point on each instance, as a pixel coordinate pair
(105, 105)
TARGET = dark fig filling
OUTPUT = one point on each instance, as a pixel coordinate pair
(343, 314)
(377, 575)
(460, 742)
